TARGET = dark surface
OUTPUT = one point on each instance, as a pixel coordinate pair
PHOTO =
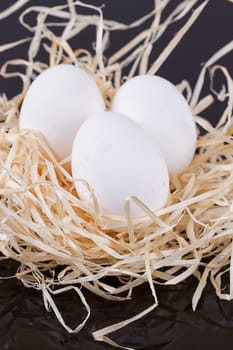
(173, 325)
(24, 323)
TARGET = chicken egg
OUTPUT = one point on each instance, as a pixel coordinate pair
(118, 159)
(160, 109)
(56, 104)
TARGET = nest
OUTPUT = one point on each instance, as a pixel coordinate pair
(59, 241)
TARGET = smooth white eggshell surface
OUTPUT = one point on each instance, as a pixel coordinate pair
(118, 159)
(158, 106)
(57, 103)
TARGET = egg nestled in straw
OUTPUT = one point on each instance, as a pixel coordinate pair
(118, 159)
(159, 108)
(57, 103)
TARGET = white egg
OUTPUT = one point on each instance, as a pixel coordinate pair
(158, 106)
(118, 159)
(57, 103)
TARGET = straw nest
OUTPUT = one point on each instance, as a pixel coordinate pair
(43, 224)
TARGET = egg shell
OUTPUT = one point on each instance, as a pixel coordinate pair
(158, 106)
(118, 159)
(57, 103)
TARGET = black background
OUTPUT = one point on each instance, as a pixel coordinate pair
(24, 323)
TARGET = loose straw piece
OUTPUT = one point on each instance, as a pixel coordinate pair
(13, 8)
(174, 42)
(8, 46)
(200, 82)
